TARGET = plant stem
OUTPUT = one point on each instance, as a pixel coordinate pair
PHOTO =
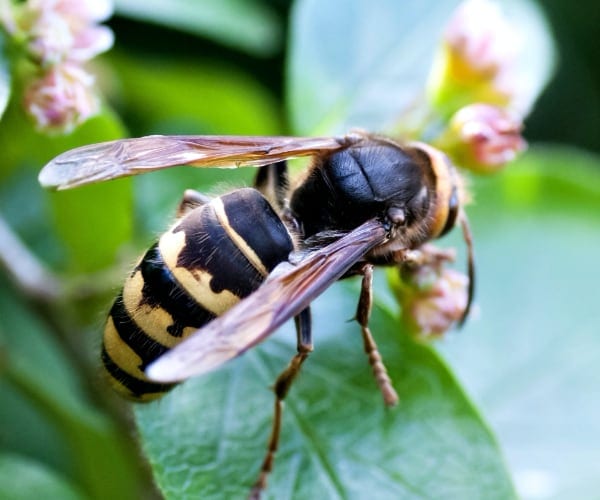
(25, 269)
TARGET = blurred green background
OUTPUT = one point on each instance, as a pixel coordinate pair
(515, 393)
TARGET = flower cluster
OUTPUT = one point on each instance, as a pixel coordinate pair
(477, 93)
(474, 87)
(432, 297)
(59, 36)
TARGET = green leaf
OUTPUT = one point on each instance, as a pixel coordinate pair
(94, 221)
(45, 414)
(25, 479)
(207, 438)
(250, 26)
(195, 98)
(362, 64)
(530, 356)
(4, 76)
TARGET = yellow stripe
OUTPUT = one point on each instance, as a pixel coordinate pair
(239, 242)
(123, 356)
(444, 177)
(196, 282)
(127, 360)
(154, 321)
(124, 392)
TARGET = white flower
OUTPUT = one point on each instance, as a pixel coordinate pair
(88, 11)
(90, 42)
(92, 11)
(51, 38)
(477, 61)
(63, 98)
(61, 35)
(63, 30)
(480, 33)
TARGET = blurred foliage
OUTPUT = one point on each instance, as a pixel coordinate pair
(4, 77)
(527, 359)
(250, 26)
(530, 359)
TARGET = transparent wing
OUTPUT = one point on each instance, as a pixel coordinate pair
(121, 158)
(287, 291)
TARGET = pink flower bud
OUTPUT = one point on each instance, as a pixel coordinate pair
(62, 98)
(90, 11)
(435, 309)
(51, 38)
(60, 35)
(432, 297)
(90, 42)
(484, 138)
(63, 30)
(80, 11)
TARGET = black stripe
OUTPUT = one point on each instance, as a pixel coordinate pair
(209, 248)
(273, 182)
(144, 346)
(161, 289)
(252, 217)
(137, 387)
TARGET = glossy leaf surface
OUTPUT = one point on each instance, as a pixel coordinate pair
(247, 25)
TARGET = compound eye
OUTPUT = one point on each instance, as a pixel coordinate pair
(452, 212)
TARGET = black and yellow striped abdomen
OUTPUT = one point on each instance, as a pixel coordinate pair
(214, 256)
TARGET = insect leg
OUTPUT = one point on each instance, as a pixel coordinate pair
(282, 386)
(363, 312)
(272, 181)
(191, 199)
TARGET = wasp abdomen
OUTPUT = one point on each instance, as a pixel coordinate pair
(216, 255)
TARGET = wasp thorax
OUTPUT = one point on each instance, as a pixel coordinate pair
(372, 179)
